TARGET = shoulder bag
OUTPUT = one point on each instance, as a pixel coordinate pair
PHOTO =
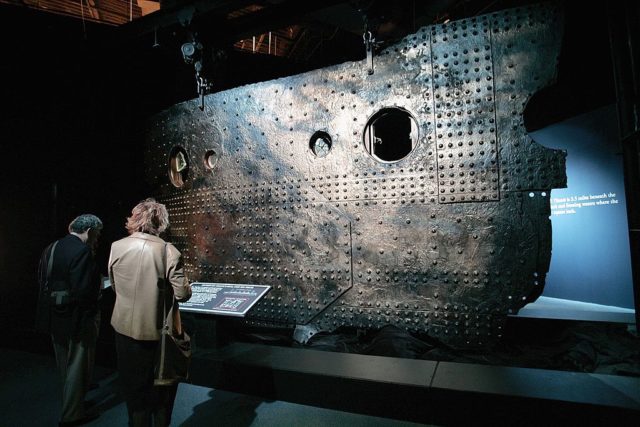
(174, 351)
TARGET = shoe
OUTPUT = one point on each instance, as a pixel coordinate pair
(80, 421)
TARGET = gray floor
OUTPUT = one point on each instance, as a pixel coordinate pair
(29, 395)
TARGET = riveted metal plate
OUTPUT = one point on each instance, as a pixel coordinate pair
(447, 240)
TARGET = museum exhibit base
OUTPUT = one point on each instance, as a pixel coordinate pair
(426, 391)
(418, 390)
(542, 371)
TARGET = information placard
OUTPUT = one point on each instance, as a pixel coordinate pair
(226, 299)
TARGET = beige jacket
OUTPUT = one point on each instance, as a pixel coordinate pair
(136, 270)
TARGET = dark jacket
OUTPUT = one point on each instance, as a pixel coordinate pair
(74, 268)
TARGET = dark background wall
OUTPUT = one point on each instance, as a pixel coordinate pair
(67, 144)
(74, 99)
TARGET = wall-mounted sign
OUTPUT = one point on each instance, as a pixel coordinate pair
(227, 299)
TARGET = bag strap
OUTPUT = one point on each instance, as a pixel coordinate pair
(165, 325)
(60, 297)
(50, 262)
(177, 322)
(164, 287)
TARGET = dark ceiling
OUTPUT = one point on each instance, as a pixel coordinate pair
(248, 41)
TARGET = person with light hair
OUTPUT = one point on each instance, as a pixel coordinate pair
(144, 269)
(68, 308)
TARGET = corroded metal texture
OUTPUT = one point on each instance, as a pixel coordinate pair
(412, 196)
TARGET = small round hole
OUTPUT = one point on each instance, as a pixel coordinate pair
(320, 143)
(210, 159)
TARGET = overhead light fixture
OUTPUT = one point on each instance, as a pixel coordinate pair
(190, 51)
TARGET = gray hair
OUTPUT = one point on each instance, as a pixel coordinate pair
(84, 222)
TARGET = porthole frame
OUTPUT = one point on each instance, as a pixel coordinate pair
(385, 111)
(178, 163)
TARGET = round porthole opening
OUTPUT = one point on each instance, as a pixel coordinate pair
(178, 166)
(320, 143)
(391, 134)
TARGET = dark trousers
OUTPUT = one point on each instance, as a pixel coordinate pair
(147, 404)
(74, 346)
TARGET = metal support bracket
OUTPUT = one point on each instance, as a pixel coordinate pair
(204, 87)
(369, 42)
(302, 333)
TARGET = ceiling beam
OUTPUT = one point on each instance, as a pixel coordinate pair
(211, 17)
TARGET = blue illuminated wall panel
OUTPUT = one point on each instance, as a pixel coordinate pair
(590, 261)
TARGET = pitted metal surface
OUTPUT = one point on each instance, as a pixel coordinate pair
(285, 183)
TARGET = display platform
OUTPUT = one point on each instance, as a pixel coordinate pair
(558, 308)
(426, 391)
